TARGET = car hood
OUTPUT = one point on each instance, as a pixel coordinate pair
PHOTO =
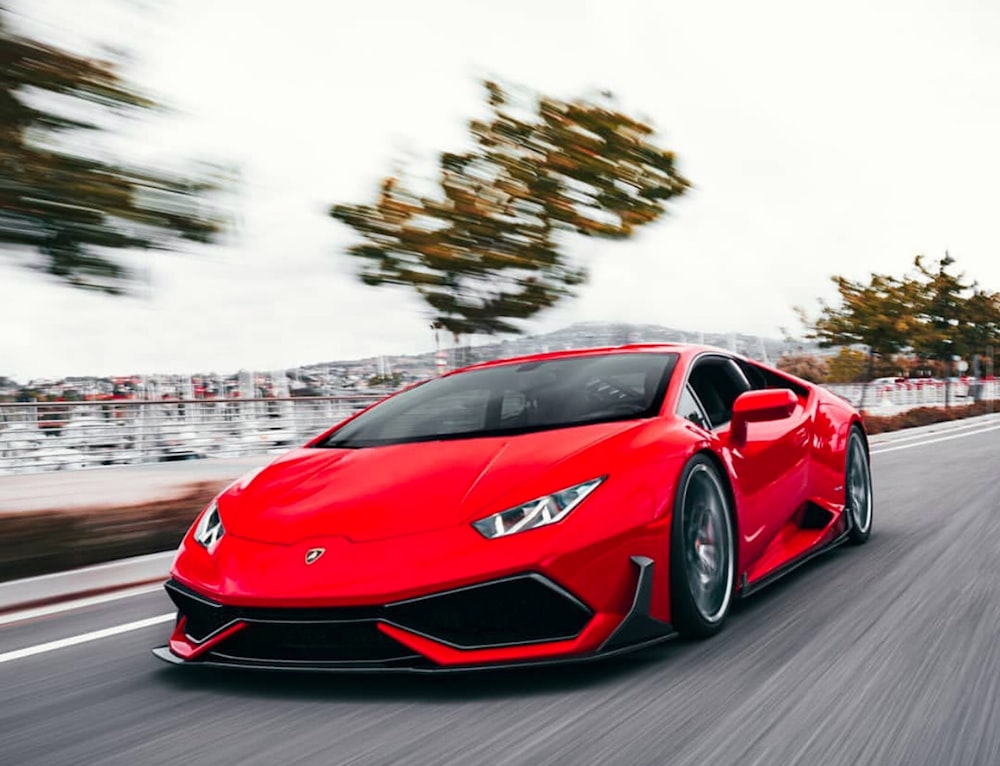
(383, 492)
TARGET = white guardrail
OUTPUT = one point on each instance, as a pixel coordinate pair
(71, 435)
(890, 398)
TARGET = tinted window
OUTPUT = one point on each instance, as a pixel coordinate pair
(516, 398)
(689, 408)
(717, 381)
(761, 377)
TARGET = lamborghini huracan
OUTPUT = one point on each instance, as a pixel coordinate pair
(558, 507)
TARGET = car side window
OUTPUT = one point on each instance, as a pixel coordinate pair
(717, 381)
(761, 377)
(689, 408)
(755, 375)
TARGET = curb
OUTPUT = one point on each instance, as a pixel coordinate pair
(87, 581)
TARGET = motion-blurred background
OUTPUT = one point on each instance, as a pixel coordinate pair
(224, 226)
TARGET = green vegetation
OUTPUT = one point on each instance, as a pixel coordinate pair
(923, 319)
(61, 197)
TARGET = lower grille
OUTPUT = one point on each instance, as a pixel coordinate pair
(205, 617)
(523, 609)
(312, 642)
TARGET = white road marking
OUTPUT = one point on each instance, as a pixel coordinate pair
(94, 635)
(68, 606)
(935, 440)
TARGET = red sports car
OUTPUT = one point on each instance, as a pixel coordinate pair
(564, 506)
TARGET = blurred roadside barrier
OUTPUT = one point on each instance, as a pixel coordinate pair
(83, 581)
(905, 394)
(47, 436)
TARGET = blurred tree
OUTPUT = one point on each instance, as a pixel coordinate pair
(932, 312)
(981, 322)
(943, 324)
(879, 314)
(488, 248)
(805, 366)
(893, 366)
(60, 195)
(848, 366)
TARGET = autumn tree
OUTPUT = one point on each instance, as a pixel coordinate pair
(61, 197)
(957, 318)
(933, 313)
(848, 365)
(980, 324)
(878, 314)
(487, 247)
(941, 331)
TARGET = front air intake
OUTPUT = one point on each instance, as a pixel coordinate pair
(519, 610)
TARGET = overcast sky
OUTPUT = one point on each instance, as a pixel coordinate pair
(820, 138)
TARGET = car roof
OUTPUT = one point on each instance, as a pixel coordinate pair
(683, 349)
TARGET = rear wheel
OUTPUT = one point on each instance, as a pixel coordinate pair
(702, 557)
(858, 489)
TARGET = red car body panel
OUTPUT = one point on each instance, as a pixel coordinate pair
(395, 521)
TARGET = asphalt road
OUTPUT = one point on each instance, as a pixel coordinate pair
(884, 654)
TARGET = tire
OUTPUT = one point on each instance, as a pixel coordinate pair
(858, 497)
(702, 551)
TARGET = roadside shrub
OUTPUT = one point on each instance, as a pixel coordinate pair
(924, 416)
(39, 542)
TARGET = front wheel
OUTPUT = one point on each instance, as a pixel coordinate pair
(702, 556)
(858, 489)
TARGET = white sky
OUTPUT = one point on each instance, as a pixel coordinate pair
(821, 138)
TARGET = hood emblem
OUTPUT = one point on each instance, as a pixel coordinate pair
(313, 554)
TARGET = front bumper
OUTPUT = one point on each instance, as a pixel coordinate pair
(519, 620)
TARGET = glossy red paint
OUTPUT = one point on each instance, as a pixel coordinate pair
(366, 495)
(396, 521)
(760, 407)
(188, 649)
(584, 644)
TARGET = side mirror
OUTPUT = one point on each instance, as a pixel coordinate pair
(758, 407)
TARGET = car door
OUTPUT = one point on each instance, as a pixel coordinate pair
(769, 468)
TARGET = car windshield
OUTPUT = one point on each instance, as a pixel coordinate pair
(516, 398)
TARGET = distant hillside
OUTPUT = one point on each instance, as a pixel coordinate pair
(585, 334)
(582, 335)
(389, 370)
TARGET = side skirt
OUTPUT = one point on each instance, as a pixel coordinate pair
(791, 566)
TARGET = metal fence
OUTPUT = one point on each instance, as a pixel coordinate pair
(70, 435)
(892, 397)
